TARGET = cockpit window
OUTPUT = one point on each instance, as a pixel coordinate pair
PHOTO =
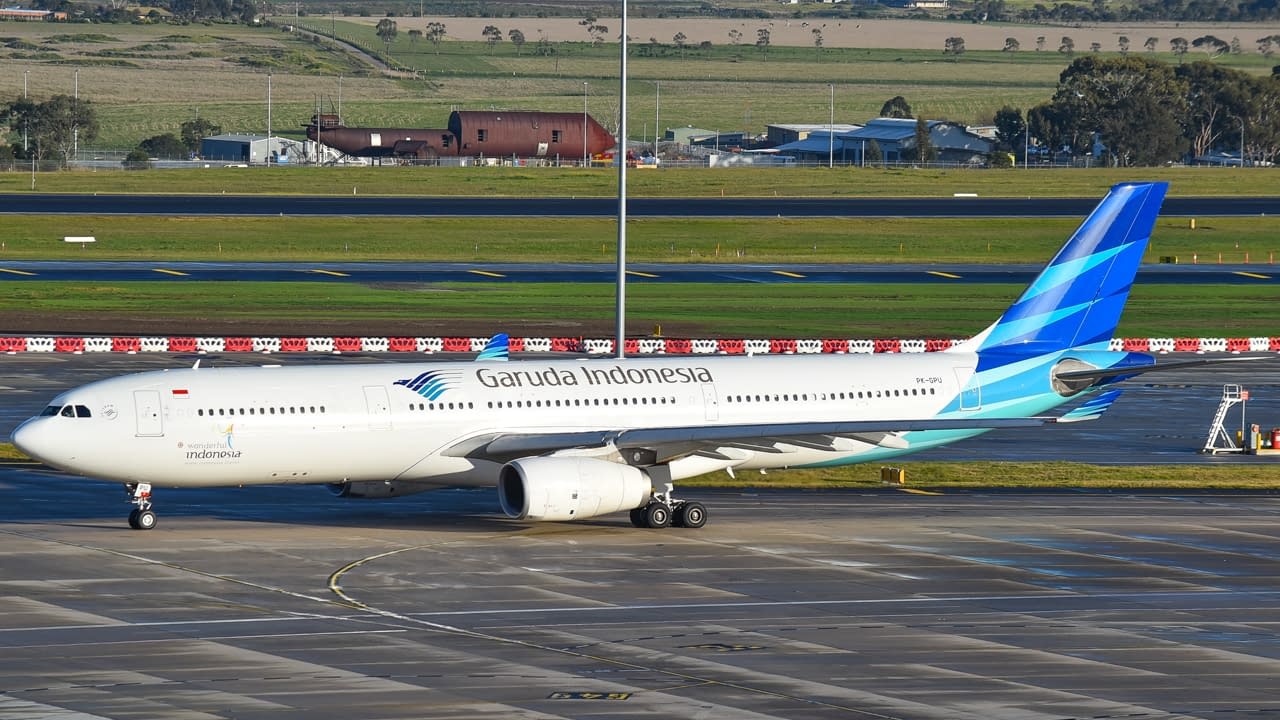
(71, 411)
(50, 411)
(68, 411)
(82, 411)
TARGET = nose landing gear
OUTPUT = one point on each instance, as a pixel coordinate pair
(141, 517)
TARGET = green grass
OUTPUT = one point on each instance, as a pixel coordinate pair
(671, 240)
(1015, 475)
(684, 182)
(803, 310)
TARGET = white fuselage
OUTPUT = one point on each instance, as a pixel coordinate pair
(364, 422)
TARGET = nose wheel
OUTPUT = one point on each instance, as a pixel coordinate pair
(142, 517)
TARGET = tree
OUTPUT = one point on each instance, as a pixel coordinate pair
(517, 38)
(680, 39)
(762, 41)
(1048, 123)
(193, 131)
(1150, 44)
(595, 30)
(1134, 104)
(817, 39)
(1216, 98)
(875, 155)
(435, 33)
(387, 31)
(166, 146)
(137, 159)
(1124, 44)
(492, 35)
(735, 36)
(1067, 46)
(1179, 47)
(896, 107)
(953, 46)
(1011, 44)
(1010, 129)
(1212, 46)
(1040, 43)
(54, 126)
(414, 36)
(1267, 45)
(923, 150)
(1095, 47)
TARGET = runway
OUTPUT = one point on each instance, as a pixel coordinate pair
(257, 205)
(374, 273)
(945, 605)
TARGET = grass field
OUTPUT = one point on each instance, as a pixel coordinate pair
(683, 182)
(679, 240)
(789, 309)
(146, 80)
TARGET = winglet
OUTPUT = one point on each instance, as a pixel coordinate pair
(498, 348)
(1091, 410)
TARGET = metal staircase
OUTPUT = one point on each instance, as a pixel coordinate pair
(1232, 395)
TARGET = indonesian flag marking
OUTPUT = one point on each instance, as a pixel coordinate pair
(180, 393)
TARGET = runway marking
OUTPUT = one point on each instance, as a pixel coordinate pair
(170, 272)
(637, 273)
(914, 491)
(1242, 273)
(941, 274)
(784, 273)
(17, 272)
(334, 273)
(486, 273)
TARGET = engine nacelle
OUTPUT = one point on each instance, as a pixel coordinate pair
(570, 488)
(377, 489)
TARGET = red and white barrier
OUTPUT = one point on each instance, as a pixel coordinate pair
(592, 346)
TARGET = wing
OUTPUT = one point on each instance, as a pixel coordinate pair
(645, 446)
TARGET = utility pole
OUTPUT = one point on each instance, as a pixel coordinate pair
(620, 342)
(25, 75)
(75, 126)
(268, 119)
(584, 123)
(831, 129)
(657, 107)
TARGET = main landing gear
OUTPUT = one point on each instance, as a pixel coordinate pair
(142, 517)
(664, 510)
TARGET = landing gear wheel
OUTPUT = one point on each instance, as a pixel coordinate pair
(133, 519)
(145, 520)
(690, 515)
(637, 518)
(657, 515)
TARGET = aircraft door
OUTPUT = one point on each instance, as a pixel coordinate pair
(970, 388)
(146, 406)
(710, 404)
(375, 397)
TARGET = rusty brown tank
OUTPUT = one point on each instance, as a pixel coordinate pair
(471, 134)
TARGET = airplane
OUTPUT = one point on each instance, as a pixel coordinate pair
(572, 439)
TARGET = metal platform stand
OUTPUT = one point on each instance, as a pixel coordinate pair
(1220, 441)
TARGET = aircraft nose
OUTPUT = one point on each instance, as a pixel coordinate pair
(33, 438)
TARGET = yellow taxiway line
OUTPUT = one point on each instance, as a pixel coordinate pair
(637, 273)
(170, 272)
(784, 273)
(16, 272)
(914, 491)
(1251, 275)
(486, 273)
(334, 273)
(941, 274)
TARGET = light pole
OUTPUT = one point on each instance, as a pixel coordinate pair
(831, 129)
(620, 304)
(584, 123)
(25, 75)
(268, 120)
(657, 106)
(1241, 121)
(1026, 141)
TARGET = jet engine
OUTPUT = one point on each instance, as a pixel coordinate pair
(570, 488)
(377, 489)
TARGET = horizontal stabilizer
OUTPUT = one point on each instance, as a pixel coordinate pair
(1093, 409)
(1130, 370)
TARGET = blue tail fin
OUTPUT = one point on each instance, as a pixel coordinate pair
(498, 348)
(1077, 299)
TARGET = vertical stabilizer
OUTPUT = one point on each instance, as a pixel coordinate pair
(1077, 299)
